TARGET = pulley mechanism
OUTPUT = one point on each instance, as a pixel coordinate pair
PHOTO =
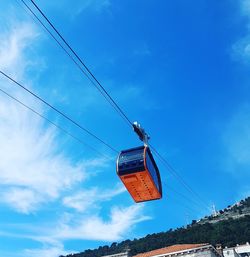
(139, 130)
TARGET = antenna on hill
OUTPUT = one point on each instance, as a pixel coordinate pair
(187, 219)
(214, 212)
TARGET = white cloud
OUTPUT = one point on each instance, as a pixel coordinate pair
(47, 251)
(13, 45)
(237, 141)
(33, 168)
(120, 222)
(35, 171)
(73, 11)
(24, 200)
(31, 163)
(245, 7)
(241, 49)
(89, 199)
(95, 4)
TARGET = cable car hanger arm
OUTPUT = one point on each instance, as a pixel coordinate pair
(139, 130)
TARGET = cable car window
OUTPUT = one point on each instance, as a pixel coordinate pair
(152, 170)
(131, 156)
(131, 160)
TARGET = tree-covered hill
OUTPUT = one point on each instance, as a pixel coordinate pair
(228, 232)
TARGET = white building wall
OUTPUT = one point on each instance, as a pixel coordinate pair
(243, 250)
(200, 253)
(237, 251)
(230, 252)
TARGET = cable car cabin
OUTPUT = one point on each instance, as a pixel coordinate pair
(139, 173)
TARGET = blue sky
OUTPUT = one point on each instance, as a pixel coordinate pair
(180, 68)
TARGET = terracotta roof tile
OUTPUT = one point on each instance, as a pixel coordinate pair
(170, 249)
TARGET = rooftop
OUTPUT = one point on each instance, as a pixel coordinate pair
(171, 249)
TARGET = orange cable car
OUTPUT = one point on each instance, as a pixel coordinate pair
(139, 173)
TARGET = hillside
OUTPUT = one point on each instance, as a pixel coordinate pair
(225, 227)
(238, 210)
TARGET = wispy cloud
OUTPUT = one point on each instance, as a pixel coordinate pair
(237, 141)
(35, 171)
(86, 199)
(46, 251)
(245, 7)
(241, 49)
(236, 137)
(14, 41)
(121, 221)
(97, 5)
(79, 7)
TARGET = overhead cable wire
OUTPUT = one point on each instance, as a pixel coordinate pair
(59, 112)
(85, 144)
(99, 86)
(188, 199)
(67, 53)
(80, 140)
(101, 89)
(185, 206)
(176, 174)
(54, 124)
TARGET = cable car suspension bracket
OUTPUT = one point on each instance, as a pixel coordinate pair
(139, 130)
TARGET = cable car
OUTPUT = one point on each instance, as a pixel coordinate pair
(139, 173)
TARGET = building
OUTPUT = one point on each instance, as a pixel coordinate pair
(184, 250)
(237, 251)
(192, 250)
